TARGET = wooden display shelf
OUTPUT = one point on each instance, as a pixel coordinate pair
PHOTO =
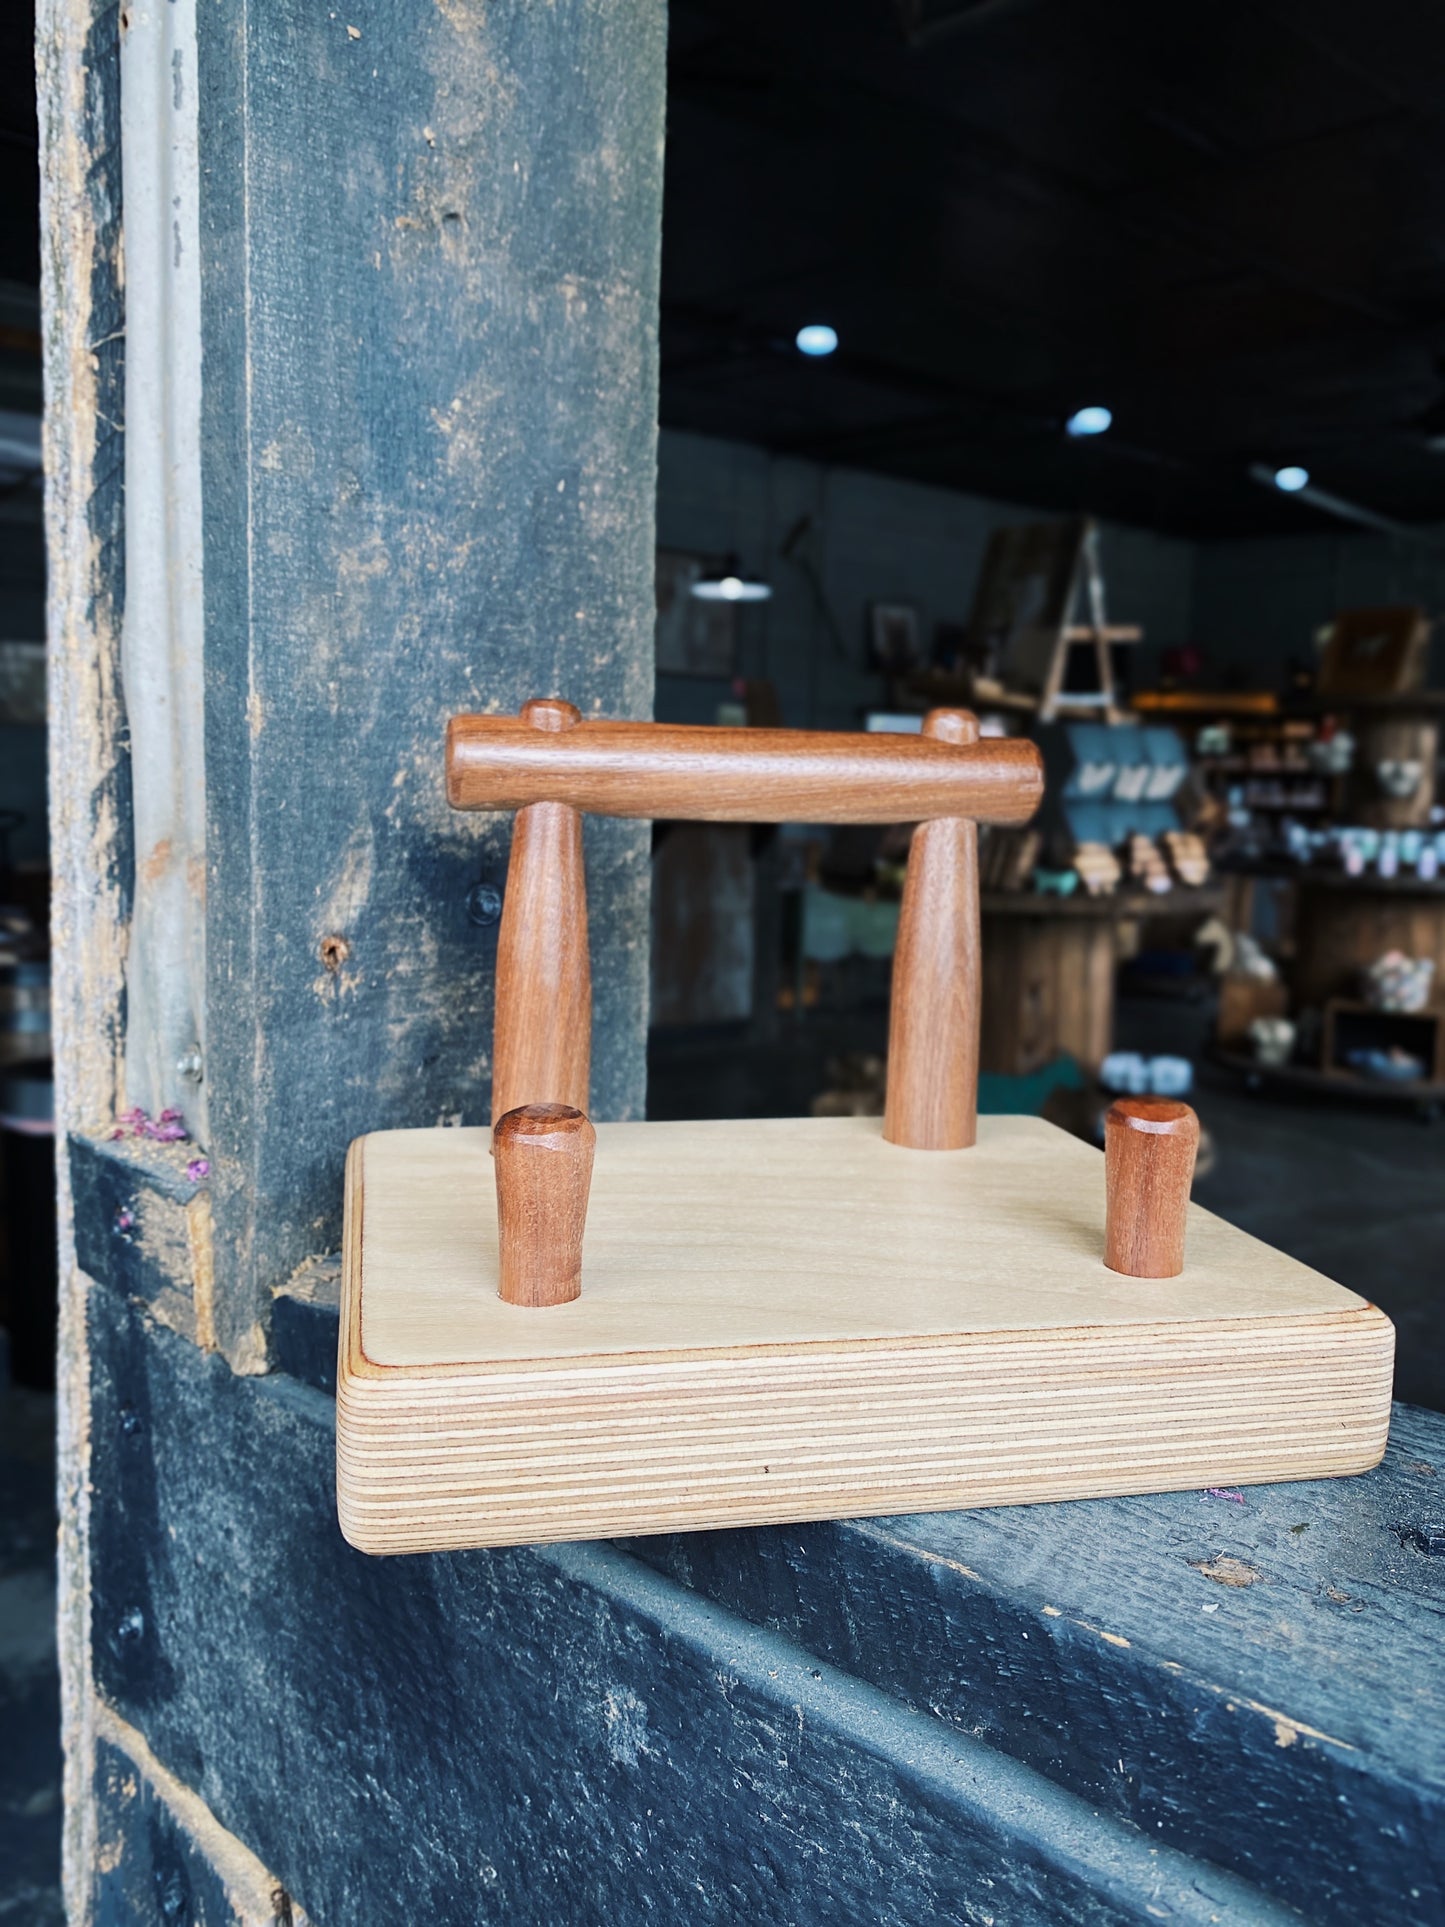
(1309, 1080)
(1343, 924)
(1316, 877)
(1421, 1032)
(1121, 906)
(1194, 703)
(794, 1319)
(1049, 966)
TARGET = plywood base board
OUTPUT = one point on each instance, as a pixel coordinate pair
(792, 1319)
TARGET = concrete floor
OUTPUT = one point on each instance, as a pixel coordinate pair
(1359, 1194)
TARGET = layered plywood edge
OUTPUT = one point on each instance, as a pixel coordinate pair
(792, 1319)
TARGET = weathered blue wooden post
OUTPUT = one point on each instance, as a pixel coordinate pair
(385, 339)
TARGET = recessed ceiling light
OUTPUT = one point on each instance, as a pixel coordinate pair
(728, 584)
(1296, 481)
(1089, 421)
(817, 339)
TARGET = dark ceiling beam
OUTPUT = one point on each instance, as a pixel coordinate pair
(1288, 18)
(902, 436)
(916, 130)
(923, 24)
(963, 414)
(746, 340)
(965, 417)
(845, 138)
(1215, 485)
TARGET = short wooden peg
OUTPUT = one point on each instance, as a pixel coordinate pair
(543, 1162)
(1150, 1145)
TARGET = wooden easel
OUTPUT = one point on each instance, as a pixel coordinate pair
(1097, 634)
(1027, 602)
(647, 1327)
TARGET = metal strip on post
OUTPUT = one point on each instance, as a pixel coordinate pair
(162, 638)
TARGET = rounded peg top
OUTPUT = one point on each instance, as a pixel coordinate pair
(1150, 1144)
(1165, 1116)
(951, 726)
(550, 713)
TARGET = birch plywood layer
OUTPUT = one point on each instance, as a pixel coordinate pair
(792, 1319)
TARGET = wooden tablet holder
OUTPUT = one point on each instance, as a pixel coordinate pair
(650, 1327)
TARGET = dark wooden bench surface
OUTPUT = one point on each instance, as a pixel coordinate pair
(1191, 1708)
(1258, 1678)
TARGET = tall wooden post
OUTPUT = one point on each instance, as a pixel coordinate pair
(542, 1050)
(933, 1023)
(426, 244)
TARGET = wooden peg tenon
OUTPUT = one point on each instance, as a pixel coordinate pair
(1150, 1145)
(543, 1161)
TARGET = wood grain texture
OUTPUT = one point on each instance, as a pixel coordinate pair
(542, 1157)
(878, 1329)
(738, 775)
(932, 1100)
(1150, 1144)
(1048, 986)
(542, 1037)
(343, 618)
(707, 899)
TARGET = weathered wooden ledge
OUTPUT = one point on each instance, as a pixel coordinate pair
(1256, 1680)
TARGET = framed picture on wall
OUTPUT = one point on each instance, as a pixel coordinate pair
(694, 638)
(1375, 652)
(893, 629)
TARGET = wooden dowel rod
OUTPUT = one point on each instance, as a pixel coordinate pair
(739, 775)
(932, 1097)
(543, 1161)
(1150, 1145)
(542, 1038)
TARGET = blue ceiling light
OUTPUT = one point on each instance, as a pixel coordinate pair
(1089, 421)
(1296, 481)
(730, 584)
(817, 339)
